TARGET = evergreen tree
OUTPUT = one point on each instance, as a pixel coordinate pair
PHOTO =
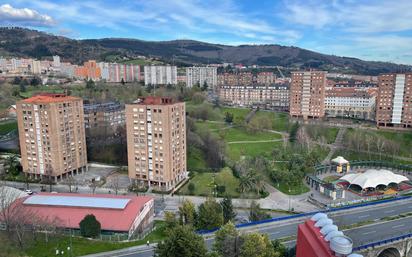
(227, 241)
(210, 215)
(187, 213)
(90, 226)
(227, 207)
(257, 245)
(257, 214)
(182, 241)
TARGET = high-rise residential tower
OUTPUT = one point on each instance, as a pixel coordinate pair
(51, 133)
(156, 142)
(307, 94)
(394, 102)
(200, 75)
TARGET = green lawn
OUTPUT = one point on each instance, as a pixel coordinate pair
(330, 134)
(204, 184)
(352, 155)
(404, 139)
(235, 151)
(82, 246)
(195, 159)
(207, 125)
(6, 127)
(35, 90)
(240, 134)
(292, 190)
(280, 120)
(239, 114)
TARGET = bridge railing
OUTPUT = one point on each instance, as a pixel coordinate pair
(300, 215)
(382, 242)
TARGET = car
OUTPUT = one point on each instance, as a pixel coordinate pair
(28, 191)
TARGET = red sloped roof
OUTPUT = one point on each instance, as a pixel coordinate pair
(70, 217)
(50, 98)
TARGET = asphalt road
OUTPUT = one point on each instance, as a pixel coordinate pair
(370, 233)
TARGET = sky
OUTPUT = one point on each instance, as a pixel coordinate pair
(379, 30)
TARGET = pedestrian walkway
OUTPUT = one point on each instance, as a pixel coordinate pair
(336, 145)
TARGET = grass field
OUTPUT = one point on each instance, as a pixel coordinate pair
(6, 127)
(404, 139)
(235, 151)
(196, 160)
(292, 190)
(239, 114)
(351, 155)
(280, 120)
(240, 134)
(83, 246)
(204, 184)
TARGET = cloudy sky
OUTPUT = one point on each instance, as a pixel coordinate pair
(367, 29)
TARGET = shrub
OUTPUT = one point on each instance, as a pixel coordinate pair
(90, 226)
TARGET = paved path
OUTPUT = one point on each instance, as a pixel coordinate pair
(336, 145)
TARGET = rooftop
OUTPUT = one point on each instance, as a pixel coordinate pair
(50, 98)
(114, 212)
(155, 100)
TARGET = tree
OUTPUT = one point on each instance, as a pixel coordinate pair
(257, 214)
(90, 84)
(122, 82)
(227, 207)
(115, 183)
(187, 213)
(191, 188)
(35, 81)
(70, 182)
(293, 132)
(93, 185)
(257, 245)
(210, 214)
(90, 226)
(182, 241)
(13, 165)
(16, 80)
(170, 220)
(204, 86)
(228, 117)
(227, 241)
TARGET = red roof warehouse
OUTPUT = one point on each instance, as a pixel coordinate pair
(121, 214)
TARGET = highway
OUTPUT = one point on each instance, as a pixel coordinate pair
(369, 233)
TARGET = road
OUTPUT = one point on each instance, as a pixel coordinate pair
(361, 235)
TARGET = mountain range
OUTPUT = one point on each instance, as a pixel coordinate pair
(22, 42)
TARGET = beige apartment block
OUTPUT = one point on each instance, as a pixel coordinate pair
(52, 137)
(394, 102)
(307, 94)
(156, 142)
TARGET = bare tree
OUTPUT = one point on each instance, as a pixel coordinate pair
(115, 183)
(70, 182)
(380, 144)
(93, 185)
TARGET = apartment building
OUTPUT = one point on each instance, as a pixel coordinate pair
(274, 97)
(89, 70)
(109, 115)
(201, 75)
(51, 133)
(117, 72)
(394, 102)
(156, 142)
(233, 79)
(265, 78)
(160, 75)
(352, 102)
(307, 94)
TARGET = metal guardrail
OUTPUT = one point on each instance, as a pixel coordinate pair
(205, 231)
(382, 242)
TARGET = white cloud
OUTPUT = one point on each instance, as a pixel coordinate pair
(25, 17)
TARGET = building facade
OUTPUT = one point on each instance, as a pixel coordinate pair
(307, 94)
(160, 75)
(89, 70)
(117, 72)
(268, 97)
(51, 134)
(104, 115)
(394, 102)
(156, 142)
(201, 75)
(351, 102)
(265, 78)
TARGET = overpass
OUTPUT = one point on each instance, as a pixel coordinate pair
(398, 246)
(285, 227)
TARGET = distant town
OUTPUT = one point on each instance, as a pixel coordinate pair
(135, 155)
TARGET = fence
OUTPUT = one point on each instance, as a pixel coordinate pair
(382, 242)
(202, 232)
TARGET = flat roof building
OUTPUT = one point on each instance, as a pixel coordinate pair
(131, 215)
(51, 134)
(156, 142)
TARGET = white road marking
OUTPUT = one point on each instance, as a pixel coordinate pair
(363, 216)
(389, 211)
(370, 232)
(398, 226)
